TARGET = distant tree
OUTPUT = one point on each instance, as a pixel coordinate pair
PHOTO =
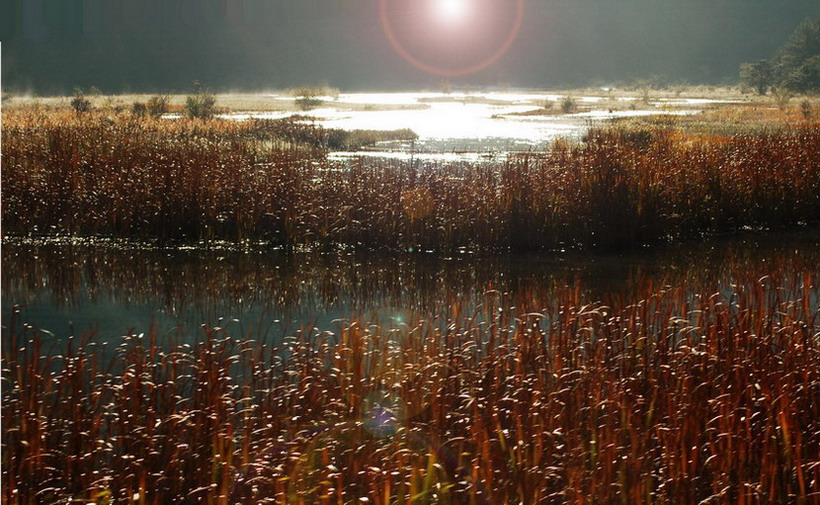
(758, 76)
(797, 64)
(795, 68)
(803, 44)
(805, 78)
(446, 87)
(200, 104)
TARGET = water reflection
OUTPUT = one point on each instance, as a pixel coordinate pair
(117, 288)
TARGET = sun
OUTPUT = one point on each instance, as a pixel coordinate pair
(452, 11)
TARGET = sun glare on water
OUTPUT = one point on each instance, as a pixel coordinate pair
(452, 11)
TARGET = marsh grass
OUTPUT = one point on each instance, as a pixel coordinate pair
(676, 396)
(189, 180)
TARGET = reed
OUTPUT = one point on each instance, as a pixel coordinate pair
(189, 181)
(673, 396)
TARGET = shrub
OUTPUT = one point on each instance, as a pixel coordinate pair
(200, 104)
(307, 97)
(308, 103)
(805, 108)
(568, 104)
(138, 109)
(782, 97)
(80, 103)
(157, 105)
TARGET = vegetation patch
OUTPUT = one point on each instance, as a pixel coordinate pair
(672, 396)
(268, 180)
(795, 68)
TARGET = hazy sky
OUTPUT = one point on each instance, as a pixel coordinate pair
(163, 45)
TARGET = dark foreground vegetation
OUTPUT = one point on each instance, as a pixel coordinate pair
(94, 174)
(671, 397)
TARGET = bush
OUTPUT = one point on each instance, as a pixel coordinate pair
(307, 97)
(308, 103)
(138, 109)
(200, 104)
(805, 108)
(568, 104)
(782, 97)
(80, 103)
(157, 105)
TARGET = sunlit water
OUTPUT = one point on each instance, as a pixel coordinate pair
(466, 126)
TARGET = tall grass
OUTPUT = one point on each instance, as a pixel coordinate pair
(672, 397)
(191, 180)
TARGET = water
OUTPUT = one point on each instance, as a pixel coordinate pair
(466, 125)
(115, 288)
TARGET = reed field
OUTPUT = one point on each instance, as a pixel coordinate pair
(676, 396)
(224, 280)
(190, 181)
(689, 379)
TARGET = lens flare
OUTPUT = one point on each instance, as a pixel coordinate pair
(459, 14)
(452, 11)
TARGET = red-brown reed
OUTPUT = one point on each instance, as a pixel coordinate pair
(673, 397)
(192, 180)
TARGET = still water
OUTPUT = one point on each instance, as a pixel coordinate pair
(113, 288)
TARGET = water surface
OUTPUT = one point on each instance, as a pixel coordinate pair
(468, 125)
(113, 288)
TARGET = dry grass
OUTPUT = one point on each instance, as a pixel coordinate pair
(271, 101)
(191, 181)
(672, 397)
